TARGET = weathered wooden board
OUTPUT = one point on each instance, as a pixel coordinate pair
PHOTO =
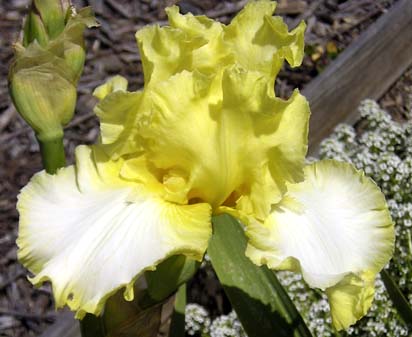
(366, 69)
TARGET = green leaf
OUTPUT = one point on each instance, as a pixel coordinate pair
(261, 303)
(92, 326)
(401, 303)
(123, 318)
(169, 275)
(177, 326)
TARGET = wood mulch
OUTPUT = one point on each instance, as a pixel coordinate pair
(332, 26)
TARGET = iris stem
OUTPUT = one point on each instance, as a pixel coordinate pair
(401, 303)
(52, 153)
(177, 326)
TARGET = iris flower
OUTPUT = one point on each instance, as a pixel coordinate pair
(205, 135)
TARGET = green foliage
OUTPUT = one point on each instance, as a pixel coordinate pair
(259, 300)
(168, 276)
(177, 324)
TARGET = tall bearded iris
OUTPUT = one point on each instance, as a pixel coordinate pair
(206, 135)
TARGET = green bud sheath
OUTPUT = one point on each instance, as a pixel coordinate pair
(44, 98)
(52, 14)
(35, 30)
(44, 73)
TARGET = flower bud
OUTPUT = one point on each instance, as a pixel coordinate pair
(48, 64)
(45, 21)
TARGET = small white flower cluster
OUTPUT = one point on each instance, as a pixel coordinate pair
(383, 149)
(198, 323)
(227, 326)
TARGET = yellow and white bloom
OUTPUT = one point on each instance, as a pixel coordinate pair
(206, 134)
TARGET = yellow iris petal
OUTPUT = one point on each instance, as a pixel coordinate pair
(227, 138)
(254, 40)
(261, 42)
(118, 112)
(214, 54)
(350, 300)
(116, 83)
(165, 51)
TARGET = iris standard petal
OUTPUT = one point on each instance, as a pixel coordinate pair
(91, 235)
(118, 111)
(261, 42)
(194, 25)
(165, 51)
(214, 54)
(253, 40)
(226, 138)
(333, 226)
(113, 84)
